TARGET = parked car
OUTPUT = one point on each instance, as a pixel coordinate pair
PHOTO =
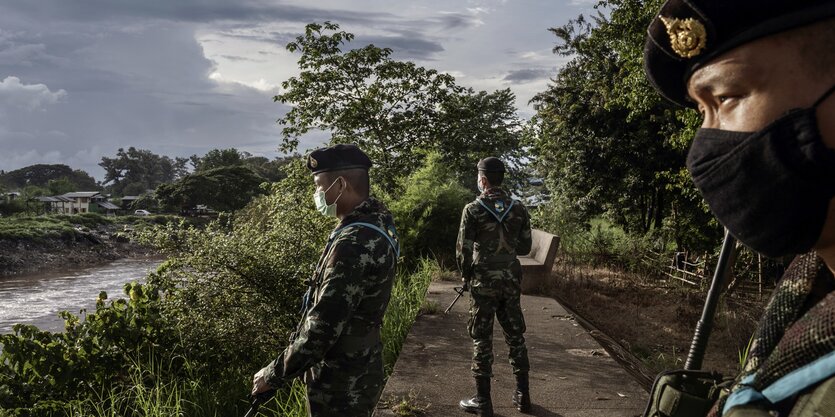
(142, 213)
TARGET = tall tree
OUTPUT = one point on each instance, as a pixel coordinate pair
(270, 170)
(134, 171)
(225, 188)
(609, 142)
(396, 111)
(40, 175)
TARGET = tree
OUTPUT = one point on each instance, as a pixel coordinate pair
(61, 185)
(270, 170)
(609, 143)
(41, 174)
(226, 188)
(389, 108)
(134, 171)
(475, 125)
(217, 158)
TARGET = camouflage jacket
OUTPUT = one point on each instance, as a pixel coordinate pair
(350, 292)
(494, 230)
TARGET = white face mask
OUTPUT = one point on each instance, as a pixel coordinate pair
(322, 203)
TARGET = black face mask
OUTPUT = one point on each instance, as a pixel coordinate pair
(771, 188)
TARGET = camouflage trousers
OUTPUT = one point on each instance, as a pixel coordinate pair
(339, 389)
(500, 300)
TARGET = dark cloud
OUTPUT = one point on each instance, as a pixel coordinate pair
(525, 75)
(146, 87)
(404, 47)
(195, 11)
(241, 58)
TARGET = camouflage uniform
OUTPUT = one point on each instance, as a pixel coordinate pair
(487, 250)
(338, 345)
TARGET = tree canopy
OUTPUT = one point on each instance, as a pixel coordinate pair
(40, 175)
(609, 143)
(134, 171)
(396, 111)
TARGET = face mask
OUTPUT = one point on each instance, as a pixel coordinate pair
(321, 201)
(771, 188)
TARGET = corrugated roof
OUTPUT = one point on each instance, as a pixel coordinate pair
(80, 194)
(108, 205)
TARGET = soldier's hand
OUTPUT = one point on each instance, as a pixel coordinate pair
(465, 286)
(259, 382)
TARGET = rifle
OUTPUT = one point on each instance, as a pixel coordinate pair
(257, 400)
(705, 324)
(691, 391)
(460, 291)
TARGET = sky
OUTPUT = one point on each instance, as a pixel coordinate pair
(81, 78)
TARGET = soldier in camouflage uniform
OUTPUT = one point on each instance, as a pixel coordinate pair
(494, 230)
(337, 346)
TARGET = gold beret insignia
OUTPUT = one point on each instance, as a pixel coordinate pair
(313, 162)
(688, 37)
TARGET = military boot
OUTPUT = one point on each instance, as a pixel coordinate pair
(522, 396)
(481, 403)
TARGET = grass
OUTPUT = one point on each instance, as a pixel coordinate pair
(407, 297)
(153, 391)
(70, 226)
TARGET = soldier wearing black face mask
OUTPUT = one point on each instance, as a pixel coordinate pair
(762, 73)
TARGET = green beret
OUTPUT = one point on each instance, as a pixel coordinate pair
(337, 158)
(491, 164)
(686, 34)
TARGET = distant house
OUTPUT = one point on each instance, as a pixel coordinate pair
(56, 204)
(11, 196)
(129, 201)
(78, 202)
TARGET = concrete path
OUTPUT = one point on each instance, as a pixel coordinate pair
(571, 374)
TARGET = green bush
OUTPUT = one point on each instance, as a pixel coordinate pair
(38, 368)
(428, 212)
(189, 341)
(36, 228)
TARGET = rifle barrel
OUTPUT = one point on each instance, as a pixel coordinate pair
(705, 325)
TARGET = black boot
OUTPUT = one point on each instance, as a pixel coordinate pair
(481, 403)
(522, 396)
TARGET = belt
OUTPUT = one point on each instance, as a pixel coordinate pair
(495, 259)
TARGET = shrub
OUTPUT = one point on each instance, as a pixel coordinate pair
(235, 286)
(429, 212)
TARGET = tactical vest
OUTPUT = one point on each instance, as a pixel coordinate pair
(307, 299)
(499, 212)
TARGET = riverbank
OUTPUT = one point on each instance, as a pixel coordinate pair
(43, 243)
(25, 257)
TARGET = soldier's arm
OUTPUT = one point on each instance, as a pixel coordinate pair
(524, 240)
(464, 245)
(341, 291)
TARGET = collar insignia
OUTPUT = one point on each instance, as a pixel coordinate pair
(688, 37)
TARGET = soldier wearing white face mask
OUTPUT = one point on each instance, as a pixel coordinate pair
(337, 346)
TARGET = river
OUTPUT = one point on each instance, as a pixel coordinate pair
(37, 298)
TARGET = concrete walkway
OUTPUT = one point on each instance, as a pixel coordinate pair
(571, 374)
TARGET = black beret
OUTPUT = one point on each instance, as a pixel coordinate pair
(337, 157)
(491, 164)
(688, 33)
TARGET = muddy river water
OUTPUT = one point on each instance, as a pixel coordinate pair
(37, 298)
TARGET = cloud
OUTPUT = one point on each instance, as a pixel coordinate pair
(526, 75)
(29, 97)
(403, 46)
